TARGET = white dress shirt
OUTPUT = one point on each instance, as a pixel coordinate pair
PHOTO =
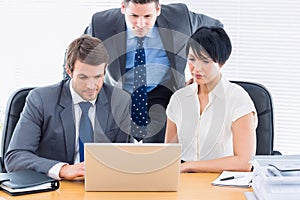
(208, 136)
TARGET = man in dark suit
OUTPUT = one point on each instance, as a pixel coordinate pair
(46, 138)
(166, 29)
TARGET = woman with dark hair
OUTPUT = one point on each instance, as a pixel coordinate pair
(213, 119)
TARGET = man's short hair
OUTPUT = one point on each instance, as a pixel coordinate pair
(141, 1)
(86, 49)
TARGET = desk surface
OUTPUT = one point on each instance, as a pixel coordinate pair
(192, 186)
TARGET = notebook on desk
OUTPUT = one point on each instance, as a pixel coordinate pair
(132, 167)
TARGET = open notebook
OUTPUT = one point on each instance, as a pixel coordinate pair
(132, 167)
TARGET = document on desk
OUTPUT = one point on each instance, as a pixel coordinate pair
(233, 178)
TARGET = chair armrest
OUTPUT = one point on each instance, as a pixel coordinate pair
(277, 153)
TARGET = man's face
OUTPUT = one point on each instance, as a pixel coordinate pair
(140, 18)
(87, 80)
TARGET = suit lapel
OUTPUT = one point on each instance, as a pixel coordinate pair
(116, 46)
(174, 43)
(102, 117)
(166, 34)
(67, 122)
(120, 42)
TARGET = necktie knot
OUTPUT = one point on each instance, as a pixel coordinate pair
(85, 106)
(140, 42)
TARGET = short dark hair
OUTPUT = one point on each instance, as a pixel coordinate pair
(126, 2)
(212, 41)
(86, 49)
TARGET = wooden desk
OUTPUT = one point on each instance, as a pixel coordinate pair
(192, 186)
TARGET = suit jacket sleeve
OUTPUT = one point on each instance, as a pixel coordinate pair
(197, 20)
(45, 132)
(24, 146)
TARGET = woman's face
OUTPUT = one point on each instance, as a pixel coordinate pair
(204, 70)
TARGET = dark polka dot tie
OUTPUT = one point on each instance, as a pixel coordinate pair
(86, 133)
(139, 112)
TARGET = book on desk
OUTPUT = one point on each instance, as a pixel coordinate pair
(26, 182)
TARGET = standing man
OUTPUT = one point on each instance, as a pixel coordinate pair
(51, 131)
(164, 30)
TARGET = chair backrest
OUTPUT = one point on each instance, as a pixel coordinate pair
(262, 100)
(14, 107)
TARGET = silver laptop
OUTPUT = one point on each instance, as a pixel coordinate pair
(132, 167)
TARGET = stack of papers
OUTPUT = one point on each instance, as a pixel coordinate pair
(276, 177)
(250, 196)
(233, 178)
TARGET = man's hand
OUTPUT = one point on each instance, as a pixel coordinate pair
(70, 172)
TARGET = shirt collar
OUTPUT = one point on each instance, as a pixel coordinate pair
(220, 88)
(153, 33)
(217, 91)
(75, 96)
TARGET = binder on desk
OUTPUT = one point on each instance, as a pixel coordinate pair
(26, 182)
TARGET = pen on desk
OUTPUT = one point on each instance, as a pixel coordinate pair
(230, 178)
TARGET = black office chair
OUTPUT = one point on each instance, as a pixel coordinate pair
(14, 108)
(262, 100)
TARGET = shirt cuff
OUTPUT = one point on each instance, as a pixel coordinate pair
(54, 171)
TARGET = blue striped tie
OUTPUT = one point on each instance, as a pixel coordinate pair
(139, 99)
(85, 128)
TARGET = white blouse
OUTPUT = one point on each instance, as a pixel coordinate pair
(208, 136)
